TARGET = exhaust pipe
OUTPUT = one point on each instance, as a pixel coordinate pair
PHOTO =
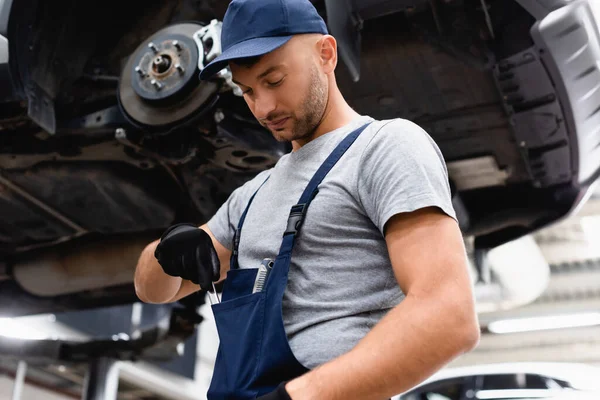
(79, 268)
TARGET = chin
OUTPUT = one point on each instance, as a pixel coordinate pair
(281, 136)
(284, 135)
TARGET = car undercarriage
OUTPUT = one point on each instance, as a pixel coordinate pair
(107, 136)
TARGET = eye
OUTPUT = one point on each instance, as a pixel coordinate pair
(273, 84)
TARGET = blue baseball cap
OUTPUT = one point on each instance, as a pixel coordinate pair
(253, 28)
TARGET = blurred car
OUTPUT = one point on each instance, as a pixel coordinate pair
(530, 394)
(107, 136)
(559, 381)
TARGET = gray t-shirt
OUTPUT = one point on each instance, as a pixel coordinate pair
(341, 281)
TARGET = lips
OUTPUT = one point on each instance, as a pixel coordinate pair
(277, 123)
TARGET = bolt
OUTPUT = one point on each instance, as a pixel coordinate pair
(120, 133)
(140, 71)
(179, 68)
(177, 45)
(156, 84)
(523, 144)
(219, 116)
(153, 47)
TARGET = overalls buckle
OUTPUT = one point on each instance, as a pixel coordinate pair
(295, 219)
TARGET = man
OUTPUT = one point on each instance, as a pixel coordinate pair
(367, 291)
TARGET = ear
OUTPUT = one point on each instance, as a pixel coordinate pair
(328, 53)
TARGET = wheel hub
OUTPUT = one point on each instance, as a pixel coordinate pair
(165, 67)
(159, 85)
(161, 64)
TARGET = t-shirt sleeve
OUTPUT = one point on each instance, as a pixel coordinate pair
(402, 170)
(225, 221)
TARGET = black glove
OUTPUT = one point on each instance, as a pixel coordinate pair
(278, 394)
(187, 251)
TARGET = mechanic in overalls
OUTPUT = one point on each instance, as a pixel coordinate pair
(346, 274)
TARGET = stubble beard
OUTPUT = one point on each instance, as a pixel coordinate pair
(312, 111)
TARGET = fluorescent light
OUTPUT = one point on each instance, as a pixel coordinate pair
(514, 394)
(15, 329)
(544, 323)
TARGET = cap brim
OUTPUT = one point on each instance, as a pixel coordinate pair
(248, 48)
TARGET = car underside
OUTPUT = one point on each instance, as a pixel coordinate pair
(107, 136)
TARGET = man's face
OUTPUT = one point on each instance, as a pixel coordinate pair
(285, 90)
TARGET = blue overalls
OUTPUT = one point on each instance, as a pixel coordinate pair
(254, 355)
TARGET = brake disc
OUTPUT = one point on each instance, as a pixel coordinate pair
(159, 88)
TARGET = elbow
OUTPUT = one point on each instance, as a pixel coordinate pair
(471, 336)
(468, 332)
(138, 285)
(142, 276)
(139, 289)
(459, 325)
(140, 293)
(144, 292)
(143, 297)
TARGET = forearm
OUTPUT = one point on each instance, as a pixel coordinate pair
(152, 285)
(414, 340)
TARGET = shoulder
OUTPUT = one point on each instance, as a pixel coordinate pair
(400, 138)
(402, 170)
(258, 180)
(245, 191)
(397, 130)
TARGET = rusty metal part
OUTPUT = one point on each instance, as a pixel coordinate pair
(78, 230)
(161, 64)
(121, 136)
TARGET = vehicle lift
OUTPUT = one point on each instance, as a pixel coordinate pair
(157, 344)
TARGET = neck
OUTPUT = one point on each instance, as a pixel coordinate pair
(337, 114)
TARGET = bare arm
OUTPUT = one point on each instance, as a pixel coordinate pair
(153, 285)
(434, 323)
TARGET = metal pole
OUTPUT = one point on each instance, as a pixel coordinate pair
(102, 380)
(19, 380)
(136, 320)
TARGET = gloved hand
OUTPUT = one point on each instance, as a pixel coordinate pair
(278, 394)
(187, 251)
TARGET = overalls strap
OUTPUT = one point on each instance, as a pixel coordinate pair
(233, 260)
(298, 211)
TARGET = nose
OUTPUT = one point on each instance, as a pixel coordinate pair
(264, 105)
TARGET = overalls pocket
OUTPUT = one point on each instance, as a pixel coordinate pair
(238, 284)
(240, 325)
